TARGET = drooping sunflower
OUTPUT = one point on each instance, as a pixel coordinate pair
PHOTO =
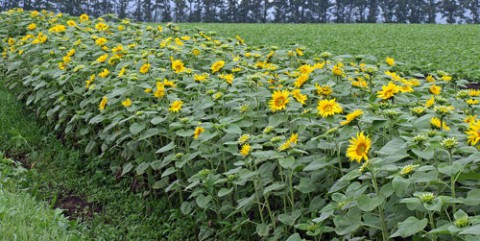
(301, 80)
(104, 73)
(279, 101)
(245, 150)
(352, 117)
(436, 123)
(199, 130)
(301, 98)
(176, 106)
(359, 147)
(328, 108)
(324, 90)
(388, 91)
(473, 133)
(103, 103)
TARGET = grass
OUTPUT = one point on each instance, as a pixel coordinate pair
(452, 48)
(107, 207)
(21, 216)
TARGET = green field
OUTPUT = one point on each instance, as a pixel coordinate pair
(452, 48)
(133, 132)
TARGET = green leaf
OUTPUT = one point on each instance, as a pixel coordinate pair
(203, 201)
(169, 171)
(127, 168)
(274, 187)
(136, 128)
(367, 204)
(287, 162)
(473, 198)
(345, 224)
(142, 168)
(277, 119)
(295, 237)
(224, 192)
(289, 218)
(426, 153)
(316, 164)
(233, 129)
(184, 133)
(306, 185)
(166, 148)
(473, 230)
(400, 185)
(157, 120)
(409, 227)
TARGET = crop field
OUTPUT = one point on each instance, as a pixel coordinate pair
(242, 140)
(422, 47)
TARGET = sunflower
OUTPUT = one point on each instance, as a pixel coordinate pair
(178, 66)
(198, 131)
(103, 103)
(472, 102)
(279, 100)
(100, 41)
(160, 91)
(436, 123)
(102, 58)
(293, 138)
(470, 119)
(217, 66)
(390, 61)
(104, 73)
(145, 68)
(84, 17)
(430, 78)
(176, 106)
(301, 98)
(337, 70)
(301, 80)
(32, 26)
(324, 90)
(388, 91)
(473, 133)
(127, 102)
(359, 147)
(245, 150)
(430, 102)
(435, 89)
(352, 117)
(329, 108)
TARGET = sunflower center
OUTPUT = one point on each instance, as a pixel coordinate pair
(280, 101)
(361, 149)
(328, 108)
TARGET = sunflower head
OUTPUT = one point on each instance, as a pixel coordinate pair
(359, 147)
(328, 108)
(279, 101)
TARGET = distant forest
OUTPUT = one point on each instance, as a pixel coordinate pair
(261, 11)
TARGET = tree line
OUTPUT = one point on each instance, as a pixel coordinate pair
(261, 11)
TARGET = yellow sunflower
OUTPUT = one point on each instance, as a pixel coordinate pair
(279, 100)
(127, 102)
(245, 150)
(103, 103)
(301, 80)
(178, 66)
(388, 91)
(436, 123)
(473, 133)
(435, 89)
(329, 108)
(301, 98)
(198, 131)
(390, 61)
(352, 117)
(176, 106)
(217, 66)
(359, 147)
(324, 90)
(145, 68)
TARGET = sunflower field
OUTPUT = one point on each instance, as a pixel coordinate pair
(255, 143)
